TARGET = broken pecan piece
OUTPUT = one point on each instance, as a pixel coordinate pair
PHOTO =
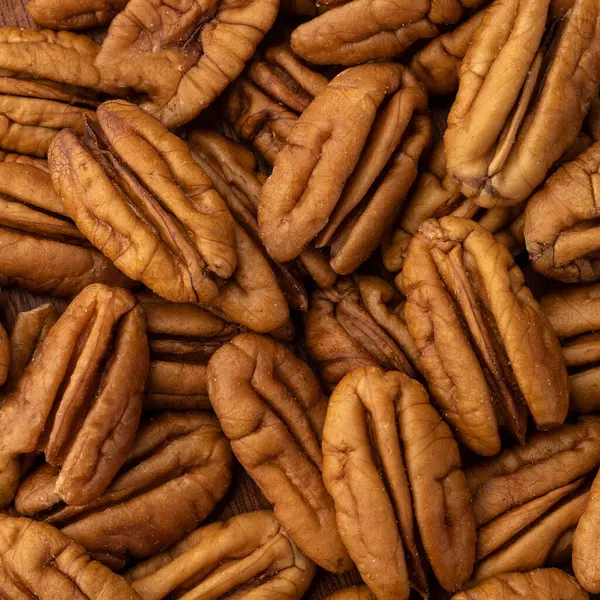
(73, 14)
(347, 166)
(359, 592)
(79, 401)
(181, 56)
(526, 84)
(384, 448)
(488, 353)
(248, 554)
(272, 409)
(358, 322)
(38, 561)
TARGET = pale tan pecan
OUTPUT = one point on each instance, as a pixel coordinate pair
(248, 555)
(38, 561)
(74, 14)
(272, 409)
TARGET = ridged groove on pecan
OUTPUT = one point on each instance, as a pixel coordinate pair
(73, 14)
(272, 409)
(248, 553)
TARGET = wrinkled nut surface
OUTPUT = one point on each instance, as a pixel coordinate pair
(272, 409)
(4, 355)
(561, 222)
(363, 30)
(40, 248)
(357, 323)
(541, 584)
(178, 469)
(248, 554)
(525, 88)
(79, 401)
(359, 592)
(136, 192)
(382, 439)
(74, 14)
(574, 316)
(181, 56)
(488, 352)
(349, 161)
(38, 561)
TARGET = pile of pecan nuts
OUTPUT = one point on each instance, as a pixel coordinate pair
(345, 251)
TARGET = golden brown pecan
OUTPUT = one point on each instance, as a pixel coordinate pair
(79, 401)
(358, 322)
(362, 30)
(541, 584)
(137, 194)
(177, 470)
(349, 161)
(247, 555)
(38, 561)
(73, 14)
(181, 56)
(526, 84)
(359, 592)
(272, 409)
(383, 440)
(488, 352)
(575, 317)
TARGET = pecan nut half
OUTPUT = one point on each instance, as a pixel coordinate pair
(136, 192)
(347, 166)
(526, 84)
(74, 14)
(383, 440)
(79, 401)
(357, 323)
(40, 248)
(488, 353)
(541, 584)
(363, 30)
(272, 409)
(359, 592)
(181, 56)
(38, 561)
(248, 554)
(178, 469)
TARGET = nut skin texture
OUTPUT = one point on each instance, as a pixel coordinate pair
(272, 410)
(363, 30)
(560, 222)
(38, 561)
(541, 584)
(79, 401)
(176, 472)
(502, 359)
(260, 562)
(359, 592)
(74, 14)
(182, 55)
(369, 413)
(531, 115)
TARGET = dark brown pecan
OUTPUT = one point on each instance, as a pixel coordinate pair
(4, 355)
(541, 584)
(178, 469)
(574, 314)
(362, 30)
(489, 354)
(358, 322)
(383, 440)
(40, 247)
(359, 592)
(73, 14)
(348, 163)
(38, 561)
(181, 56)
(79, 401)
(526, 84)
(137, 194)
(272, 409)
(248, 554)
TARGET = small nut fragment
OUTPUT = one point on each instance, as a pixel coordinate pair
(38, 561)
(79, 401)
(359, 592)
(272, 409)
(74, 14)
(488, 352)
(247, 555)
(381, 433)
